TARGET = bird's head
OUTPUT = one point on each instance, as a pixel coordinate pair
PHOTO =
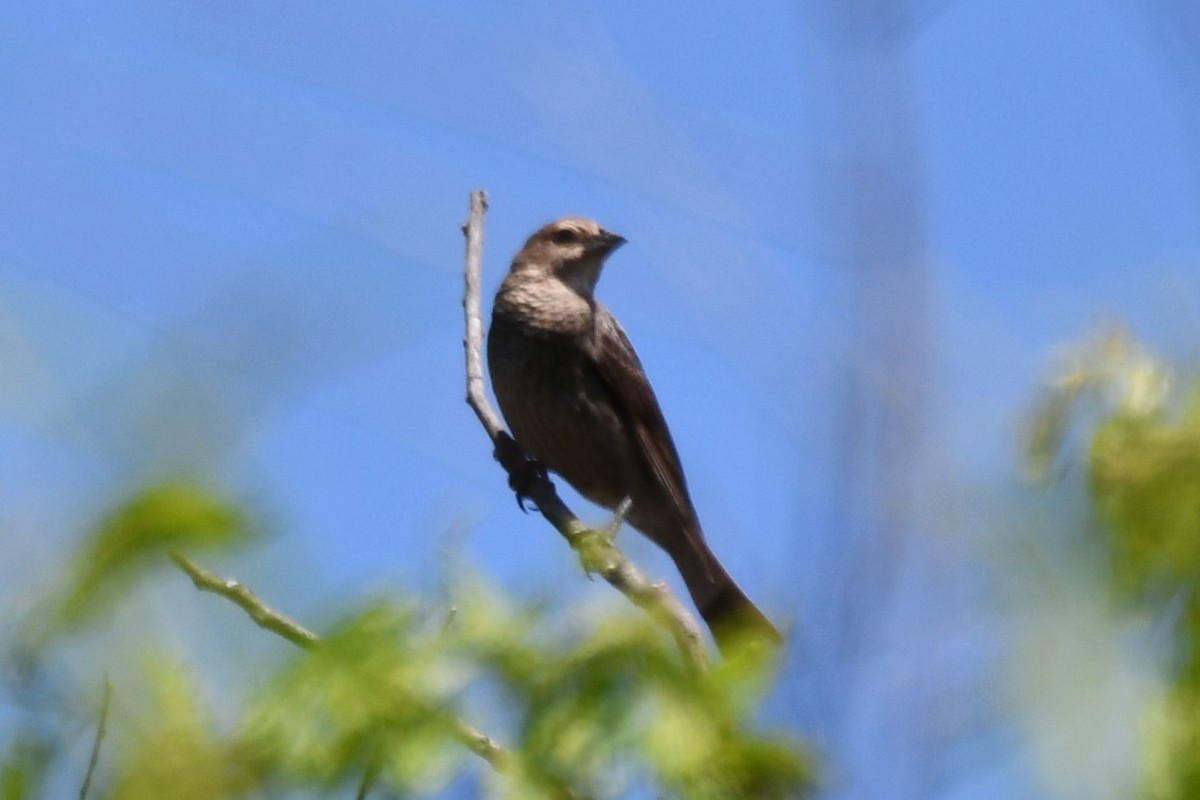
(573, 249)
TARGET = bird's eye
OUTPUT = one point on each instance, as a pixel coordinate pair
(565, 236)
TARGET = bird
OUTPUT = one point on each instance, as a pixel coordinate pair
(576, 398)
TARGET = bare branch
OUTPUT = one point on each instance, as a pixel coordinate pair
(595, 548)
(263, 615)
(473, 309)
(101, 729)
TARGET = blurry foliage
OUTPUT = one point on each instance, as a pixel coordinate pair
(24, 765)
(582, 706)
(1136, 428)
(375, 693)
(132, 538)
(179, 754)
(1145, 473)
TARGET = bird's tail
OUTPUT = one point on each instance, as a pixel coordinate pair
(729, 613)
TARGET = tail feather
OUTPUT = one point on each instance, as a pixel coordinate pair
(729, 613)
(734, 619)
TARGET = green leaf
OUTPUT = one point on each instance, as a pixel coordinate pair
(133, 536)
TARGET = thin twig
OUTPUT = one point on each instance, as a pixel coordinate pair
(368, 781)
(101, 729)
(263, 615)
(596, 550)
(267, 618)
(449, 621)
(473, 310)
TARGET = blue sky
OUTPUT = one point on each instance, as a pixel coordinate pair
(229, 247)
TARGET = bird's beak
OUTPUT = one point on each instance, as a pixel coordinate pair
(604, 242)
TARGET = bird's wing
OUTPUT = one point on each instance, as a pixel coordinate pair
(617, 365)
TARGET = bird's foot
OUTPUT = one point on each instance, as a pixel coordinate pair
(596, 546)
(613, 527)
(524, 471)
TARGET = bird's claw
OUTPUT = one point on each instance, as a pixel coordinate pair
(524, 471)
(523, 479)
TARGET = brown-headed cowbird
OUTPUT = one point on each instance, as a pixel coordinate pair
(577, 399)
